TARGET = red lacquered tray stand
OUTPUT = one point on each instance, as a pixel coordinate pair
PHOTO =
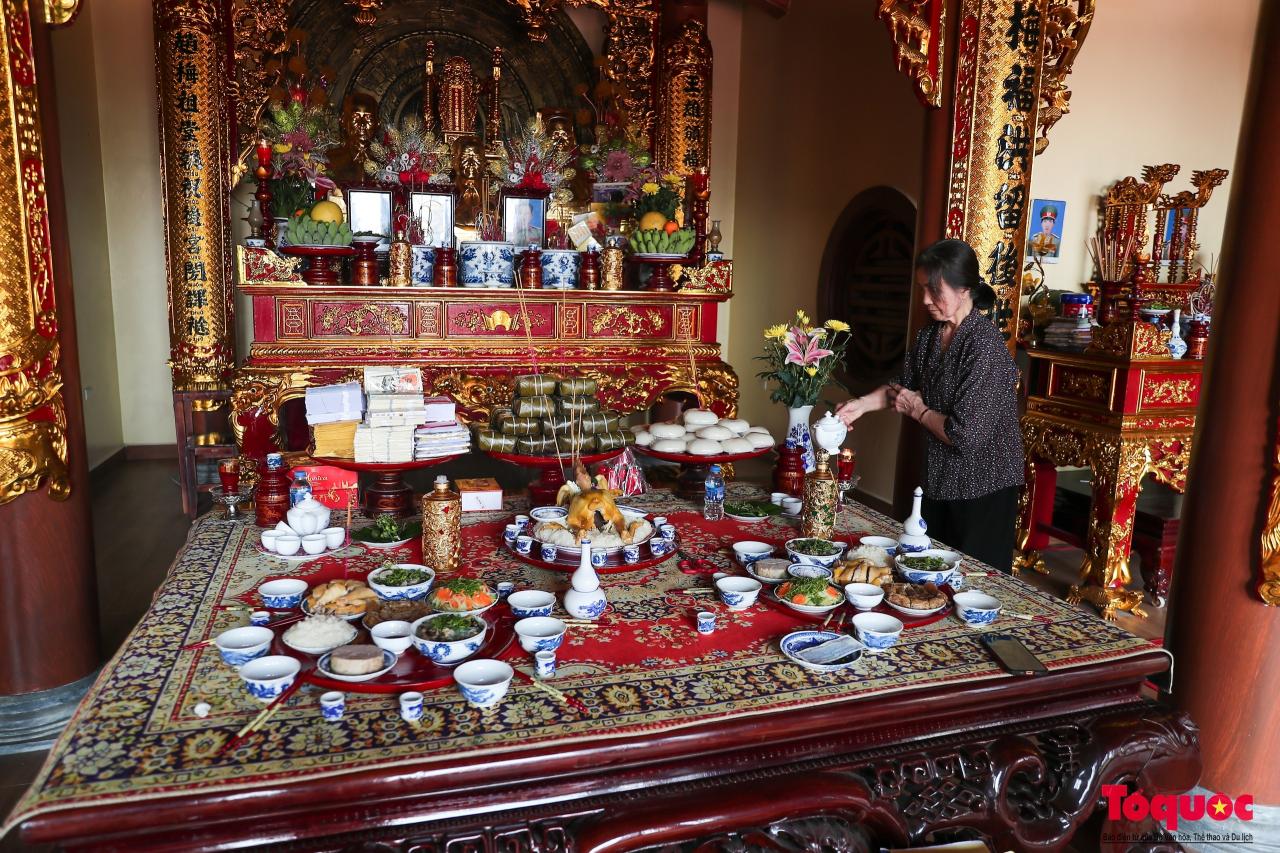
(388, 494)
(323, 262)
(694, 469)
(543, 491)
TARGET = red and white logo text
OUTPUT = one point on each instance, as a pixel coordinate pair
(1168, 809)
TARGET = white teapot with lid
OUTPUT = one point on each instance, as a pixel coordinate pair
(830, 433)
(308, 516)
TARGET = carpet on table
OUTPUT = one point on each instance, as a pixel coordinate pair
(136, 736)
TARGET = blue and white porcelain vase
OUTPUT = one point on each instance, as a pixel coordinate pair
(487, 264)
(585, 598)
(914, 537)
(424, 261)
(560, 268)
(1177, 346)
(798, 433)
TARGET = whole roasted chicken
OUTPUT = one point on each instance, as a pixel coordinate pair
(591, 507)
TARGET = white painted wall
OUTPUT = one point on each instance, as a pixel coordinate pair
(1157, 81)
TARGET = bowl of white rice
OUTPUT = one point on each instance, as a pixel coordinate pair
(317, 635)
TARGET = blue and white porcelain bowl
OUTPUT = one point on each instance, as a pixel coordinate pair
(540, 633)
(487, 264)
(826, 561)
(877, 631)
(438, 651)
(804, 570)
(797, 641)
(863, 596)
(531, 602)
(268, 677)
(560, 268)
(424, 262)
(889, 544)
(393, 635)
(939, 577)
(282, 594)
(749, 553)
(483, 682)
(412, 592)
(738, 593)
(976, 608)
(238, 646)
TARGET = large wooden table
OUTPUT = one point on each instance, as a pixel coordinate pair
(690, 739)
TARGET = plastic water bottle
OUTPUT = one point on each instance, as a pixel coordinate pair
(300, 489)
(713, 501)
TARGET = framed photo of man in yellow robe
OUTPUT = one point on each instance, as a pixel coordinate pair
(1044, 237)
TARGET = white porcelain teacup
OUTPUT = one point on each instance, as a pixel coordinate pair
(287, 546)
(313, 543)
(334, 537)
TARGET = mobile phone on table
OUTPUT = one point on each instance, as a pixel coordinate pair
(1012, 655)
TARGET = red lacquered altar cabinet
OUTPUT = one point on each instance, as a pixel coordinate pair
(471, 344)
(1122, 416)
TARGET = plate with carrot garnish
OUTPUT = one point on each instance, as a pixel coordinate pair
(811, 596)
(463, 596)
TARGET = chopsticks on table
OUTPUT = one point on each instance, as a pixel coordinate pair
(265, 714)
(1044, 620)
(551, 691)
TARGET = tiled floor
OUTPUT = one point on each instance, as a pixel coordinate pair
(138, 528)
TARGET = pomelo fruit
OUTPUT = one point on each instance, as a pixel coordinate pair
(326, 211)
(652, 220)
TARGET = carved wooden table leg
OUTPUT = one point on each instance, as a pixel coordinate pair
(1035, 512)
(1118, 468)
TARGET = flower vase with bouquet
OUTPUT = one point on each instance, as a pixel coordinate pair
(802, 360)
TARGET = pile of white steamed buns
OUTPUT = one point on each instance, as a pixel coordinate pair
(703, 433)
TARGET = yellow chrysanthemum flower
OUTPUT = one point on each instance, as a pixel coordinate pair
(777, 332)
(837, 325)
(649, 189)
(812, 371)
(803, 318)
(672, 178)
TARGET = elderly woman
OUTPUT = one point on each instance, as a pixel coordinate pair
(959, 384)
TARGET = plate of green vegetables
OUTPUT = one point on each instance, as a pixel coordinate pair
(750, 511)
(387, 531)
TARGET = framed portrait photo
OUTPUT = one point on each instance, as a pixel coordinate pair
(1044, 231)
(432, 212)
(524, 219)
(370, 210)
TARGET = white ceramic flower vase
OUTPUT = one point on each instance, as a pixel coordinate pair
(914, 537)
(1177, 346)
(798, 433)
(585, 598)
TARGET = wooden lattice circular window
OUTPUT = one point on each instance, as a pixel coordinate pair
(866, 281)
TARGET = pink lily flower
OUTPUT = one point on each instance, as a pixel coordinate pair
(804, 350)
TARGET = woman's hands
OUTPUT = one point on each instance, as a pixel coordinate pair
(909, 403)
(850, 410)
(881, 398)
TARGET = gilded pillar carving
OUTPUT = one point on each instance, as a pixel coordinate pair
(33, 420)
(1066, 25)
(684, 121)
(916, 28)
(260, 33)
(630, 49)
(195, 115)
(1000, 49)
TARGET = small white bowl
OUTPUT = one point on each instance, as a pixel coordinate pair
(776, 498)
(268, 539)
(749, 552)
(313, 543)
(889, 545)
(394, 635)
(287, 545)
(863, 596)
(976, 608)
(877, 631)
(282, 593)
(238, 646)
(792, 506)
(540, 633)
(268, 677)
(738, 593)
(483, 682)
(334, 537)
(530, 602)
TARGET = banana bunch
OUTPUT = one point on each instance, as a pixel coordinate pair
(656, 241)
(302, 230)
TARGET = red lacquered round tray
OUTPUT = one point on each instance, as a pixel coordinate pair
(613, 564)
(305, 251)
(551, 461)
(380, 467)
(694, 459)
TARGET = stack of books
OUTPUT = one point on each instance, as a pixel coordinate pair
(1073, 334)
(333, 412)
(447, 438)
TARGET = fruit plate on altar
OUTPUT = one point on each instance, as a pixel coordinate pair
(659, 256)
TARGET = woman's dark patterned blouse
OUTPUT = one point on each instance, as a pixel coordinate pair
(973, 383)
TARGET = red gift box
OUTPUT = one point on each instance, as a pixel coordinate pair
(334, 487)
